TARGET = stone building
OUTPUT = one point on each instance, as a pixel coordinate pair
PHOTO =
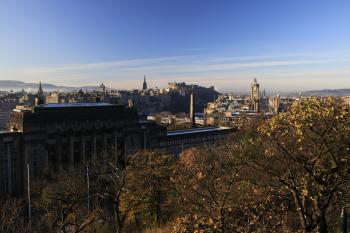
(255, 96)
(52, 137)
(275, 102)
(56, 136)
(11, 164)
(177, 141)
(55, 98)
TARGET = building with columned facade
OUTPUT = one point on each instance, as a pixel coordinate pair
(54, 137)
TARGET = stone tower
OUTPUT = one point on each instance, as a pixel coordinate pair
(130, 103)
(144, 86)
(192, 112)
(102, 88)
(255, 96)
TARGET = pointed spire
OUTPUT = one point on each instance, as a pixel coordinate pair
(144, 86)
(40, 91)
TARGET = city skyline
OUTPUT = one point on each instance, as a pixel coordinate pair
(294, 46)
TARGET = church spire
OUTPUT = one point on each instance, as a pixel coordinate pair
(40, 98)
(40, 91)
(144, 86)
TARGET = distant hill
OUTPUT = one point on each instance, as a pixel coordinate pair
(327, 92)
(7, 85)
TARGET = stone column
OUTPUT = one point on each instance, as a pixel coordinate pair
(144, 140)
(83, 157)
(26, 161)
(46, 156)
(94, 153)
(116, 146)
(17, 166)
(125, 148)
(105, 143)
(71, 153)
(59, 154)
(9, 169)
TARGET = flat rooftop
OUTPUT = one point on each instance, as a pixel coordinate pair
(78, 107)
(197, 131)
(74, 105)
(8, 133)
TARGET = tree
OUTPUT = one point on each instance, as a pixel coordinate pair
(216, 193)
(11, 216)
(148, 186)
(108, 181)
(60, 204)
(306, 150)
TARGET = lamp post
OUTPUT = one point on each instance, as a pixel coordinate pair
(88, 187)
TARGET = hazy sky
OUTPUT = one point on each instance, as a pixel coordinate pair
(288, 45)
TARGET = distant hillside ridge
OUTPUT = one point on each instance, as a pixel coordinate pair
(328, 92)
(7, 85)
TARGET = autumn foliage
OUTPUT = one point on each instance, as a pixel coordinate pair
(287, 174)
(307, 151)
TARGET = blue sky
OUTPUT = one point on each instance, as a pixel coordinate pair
(288, 45)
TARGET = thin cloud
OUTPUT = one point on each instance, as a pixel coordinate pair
(216, 70)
